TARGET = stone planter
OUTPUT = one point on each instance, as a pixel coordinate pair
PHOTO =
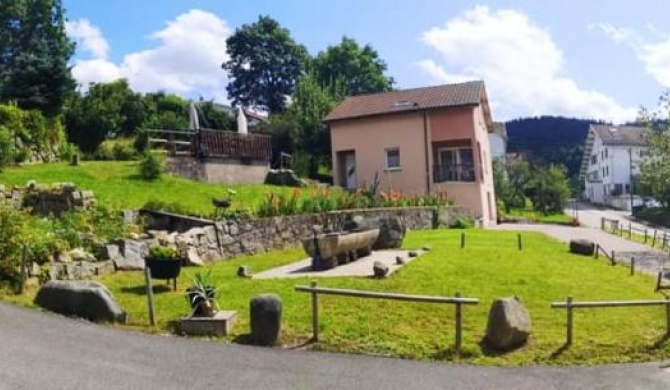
(221, 324)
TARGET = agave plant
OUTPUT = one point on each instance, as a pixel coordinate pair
(201, 295)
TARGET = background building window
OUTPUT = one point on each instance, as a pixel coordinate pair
(393, 158)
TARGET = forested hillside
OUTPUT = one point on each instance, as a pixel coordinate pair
(549, 140)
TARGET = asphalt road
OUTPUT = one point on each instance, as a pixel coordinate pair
(45, 351)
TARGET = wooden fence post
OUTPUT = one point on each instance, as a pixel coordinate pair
(613, 259)
(632, 266)
(150, 296)
(597, 252)
(645, 236)
(568, 336)
(653, 241)
(462, 240)
(602, 223)
(315, 313)
(459, 318)
(519, 243)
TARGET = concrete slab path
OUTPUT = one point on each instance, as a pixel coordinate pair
(360, 267)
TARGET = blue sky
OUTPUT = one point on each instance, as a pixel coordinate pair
(594, 59)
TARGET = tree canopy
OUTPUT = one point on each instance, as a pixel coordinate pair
(34, 55)
(264, 66)
(358, 69)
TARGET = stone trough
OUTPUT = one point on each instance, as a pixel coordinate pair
(332, 249)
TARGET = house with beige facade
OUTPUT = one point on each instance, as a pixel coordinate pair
(432, 140)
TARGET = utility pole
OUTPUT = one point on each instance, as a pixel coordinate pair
(630, 170)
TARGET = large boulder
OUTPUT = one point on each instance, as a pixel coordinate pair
(582, 247)
(391, 233)
(379, 269)
(88, 300)
(508, 325)
(265, 310)
(283, 177)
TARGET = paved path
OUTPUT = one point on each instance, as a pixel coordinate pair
(48, 352)
(360, 267)
(647, 259)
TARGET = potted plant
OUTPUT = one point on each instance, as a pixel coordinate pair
(164, 263)
(201, 295)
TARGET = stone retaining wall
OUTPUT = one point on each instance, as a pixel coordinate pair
(47, 200)
(210, 240)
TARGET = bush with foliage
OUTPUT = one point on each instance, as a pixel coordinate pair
(150, 167)
(12, 225)
(160, 252)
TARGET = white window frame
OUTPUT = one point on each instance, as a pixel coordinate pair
(386, 155)
(458, 149)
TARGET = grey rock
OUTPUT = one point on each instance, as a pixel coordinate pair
(426, 248)
(508, 324)
(391, 233)
(193, 258)
(582, 247)
(80, 270)
(399, 260)
(413, 254)
(283, 177)
(133, 254)
(379, 269)
(233, 229)
(105, 268)
(210, 233)
(160, 235)
(79, 254)
(244, 271)
(64, 257)
(265, 315)
(88, 300)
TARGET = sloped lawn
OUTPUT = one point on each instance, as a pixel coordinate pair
(116, 184)
(490, 266)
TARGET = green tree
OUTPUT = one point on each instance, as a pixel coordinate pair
(549, 188)
(98, 113)
(358, 69)
(34, 55)
(518, 172)
(310, 104)
(502, 187)
(654, 176)
(265, 64)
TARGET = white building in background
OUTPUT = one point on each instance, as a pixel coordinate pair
(498, 141)
(611, 159)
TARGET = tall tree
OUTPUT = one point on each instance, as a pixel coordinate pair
(265, 64)
(359, 69)
(34, 55)
(310, 104)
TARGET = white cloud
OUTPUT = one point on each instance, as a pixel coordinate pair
(520, 63)
(88, 37)
(186, 59)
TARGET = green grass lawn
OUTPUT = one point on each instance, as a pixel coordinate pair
(557, 218)
(115, 184)
(489, 267)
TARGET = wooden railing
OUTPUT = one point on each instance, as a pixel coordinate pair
(213, 143)
(570, 305)
(457, 300)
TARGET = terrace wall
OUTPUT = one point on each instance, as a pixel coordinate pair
(227, 239)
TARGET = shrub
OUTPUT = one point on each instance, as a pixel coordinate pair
(12, 223)
(462, 222)
(160, 252)
(150, 167)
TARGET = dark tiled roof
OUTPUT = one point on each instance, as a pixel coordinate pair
(450, 95)
(621, 135)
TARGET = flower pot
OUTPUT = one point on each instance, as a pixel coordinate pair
(164, 268)
(201, 306)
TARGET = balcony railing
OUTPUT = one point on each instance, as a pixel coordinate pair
(454, 172)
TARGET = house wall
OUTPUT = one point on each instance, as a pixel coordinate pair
(467, 123)
(498, 146)
(611, 168)
(370, 138)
